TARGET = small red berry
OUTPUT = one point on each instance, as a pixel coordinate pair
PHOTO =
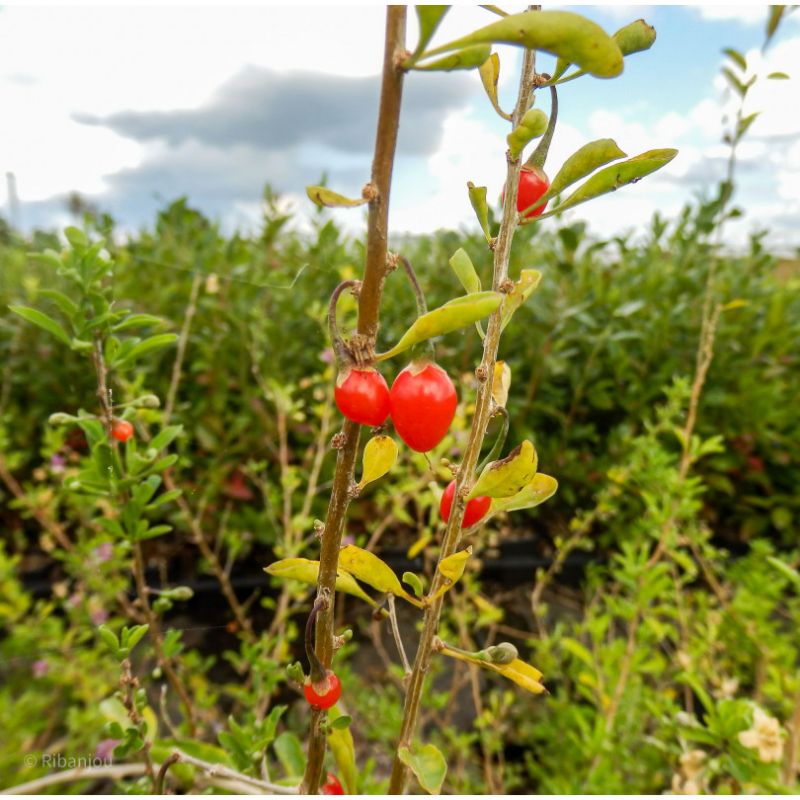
(362, 396)
(323, 695)
(122, 430)
(423, 402)
(475, 511)
(332, 785)
(533, 183)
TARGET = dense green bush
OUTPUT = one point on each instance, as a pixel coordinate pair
(645, 666)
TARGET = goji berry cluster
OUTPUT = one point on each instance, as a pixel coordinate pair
(422, 402)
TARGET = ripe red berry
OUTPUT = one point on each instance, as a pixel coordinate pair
(533, 183)
(423, 403)
(362, 395)
(475, 511)
(122, 430)
(323, 695)
(332, 785)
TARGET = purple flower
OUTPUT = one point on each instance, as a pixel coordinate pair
(327, 355)
(103, 552)
(105, 749)
(57, 463)
(348, 539)
(40, 668)
(98, 616)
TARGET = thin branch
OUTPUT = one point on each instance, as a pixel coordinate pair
(180, 354)
(480, 421)
(368, 314)
(110, 771)
(221, 771)
(398, 640)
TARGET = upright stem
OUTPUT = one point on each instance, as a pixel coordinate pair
(368, 314)
(480, 421)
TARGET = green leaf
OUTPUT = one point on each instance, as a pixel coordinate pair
(541, 488)
(428, 765)
(450, 317)
(736, 57)
(612, 178)
(43, 321)
(775, 16)
(290, 753)
(136, 321)
(323, 197)
(777, 76)
(340, 739)
(562, 33)
(415, 582)
(533, 124)
(165, 437)
(66, 305)
(523, 289)
(507, 476)
(490, 74)
(465, 270)
(76, 237)
(581, 163)
(477, 199)
(792, 574)
(562, 64)
(739, 87)
(635, 37)
(110, 640)
(429, 18)
(369, 569)
(744, 124)
(380, 455)
(132, 636)
(307, 571)
(147, 346)
(468, 58)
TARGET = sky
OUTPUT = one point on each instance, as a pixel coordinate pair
(133, 107)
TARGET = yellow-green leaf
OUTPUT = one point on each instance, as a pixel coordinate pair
(490, 74)
(467, 58)
(321, 196)
(43, 321)
(501, 383)
(307, 571)
(450, 317)
(477, 199)
(533, 124)
(617, 175)
(369, 569)
(427, 763)
(507, 476)
(429, 18)
(581, 163)
(344, 753)
(465, 270)
(635, 37)
(380, 454)
(541, 488)
(562, 33)
(523, 289)
(452, 568)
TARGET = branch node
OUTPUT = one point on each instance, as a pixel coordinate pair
(482, 374)
(370, 192)
(338, 441)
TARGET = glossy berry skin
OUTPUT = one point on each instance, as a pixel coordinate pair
(323, 697)
(475, 511)
(423, 403)
(332, 785)
(533, 184)
(363, 397)
(122, 430)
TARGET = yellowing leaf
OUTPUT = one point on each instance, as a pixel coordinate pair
(321, 196)
(427, 763)
(380, 454)
(541, 488)
(523, 289)
(501, 383)
(490, 74)
(467, 58)
(419, 545)
(509, 475)
(369, 569)
(307, 571)
(520, 672)
(452, 568)
(343, 749)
